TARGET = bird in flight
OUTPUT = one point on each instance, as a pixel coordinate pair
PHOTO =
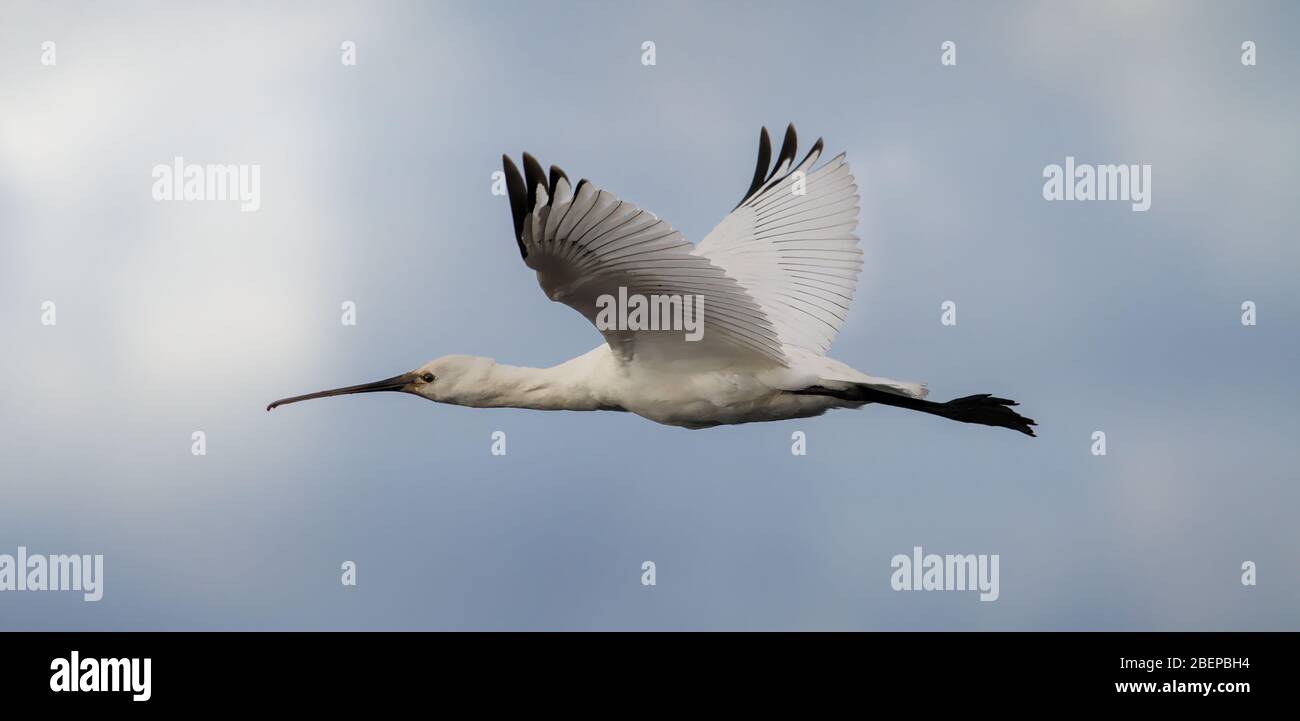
(768, 290)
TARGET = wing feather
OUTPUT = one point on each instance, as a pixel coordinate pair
(584, 243)
(796, 254)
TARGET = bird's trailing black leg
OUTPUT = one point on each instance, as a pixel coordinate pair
(988, 410)
(982, 408)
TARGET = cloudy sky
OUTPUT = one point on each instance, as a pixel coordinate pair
(174, 317)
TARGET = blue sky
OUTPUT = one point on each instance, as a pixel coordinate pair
(176, 317)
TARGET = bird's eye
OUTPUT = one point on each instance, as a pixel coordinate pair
(427, 377)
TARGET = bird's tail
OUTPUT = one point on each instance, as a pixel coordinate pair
(982, 408)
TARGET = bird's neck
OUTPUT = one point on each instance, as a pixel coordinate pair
(561, 388)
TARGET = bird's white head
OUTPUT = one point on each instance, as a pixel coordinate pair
(445, 380)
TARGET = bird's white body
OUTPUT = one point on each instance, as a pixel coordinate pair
(769, 289)
(680, 393)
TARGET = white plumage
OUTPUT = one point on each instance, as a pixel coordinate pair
(796, 254)
(776, 278)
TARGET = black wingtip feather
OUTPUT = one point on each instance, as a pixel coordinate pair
(816, 149)
(789, 145)
(533, 176)
(518, 199)
(761, 167)
(556, 174)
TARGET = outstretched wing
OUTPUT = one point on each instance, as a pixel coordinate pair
(588, 248)
(790, 242)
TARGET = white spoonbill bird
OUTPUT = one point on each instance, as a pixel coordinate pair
(768, 290)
